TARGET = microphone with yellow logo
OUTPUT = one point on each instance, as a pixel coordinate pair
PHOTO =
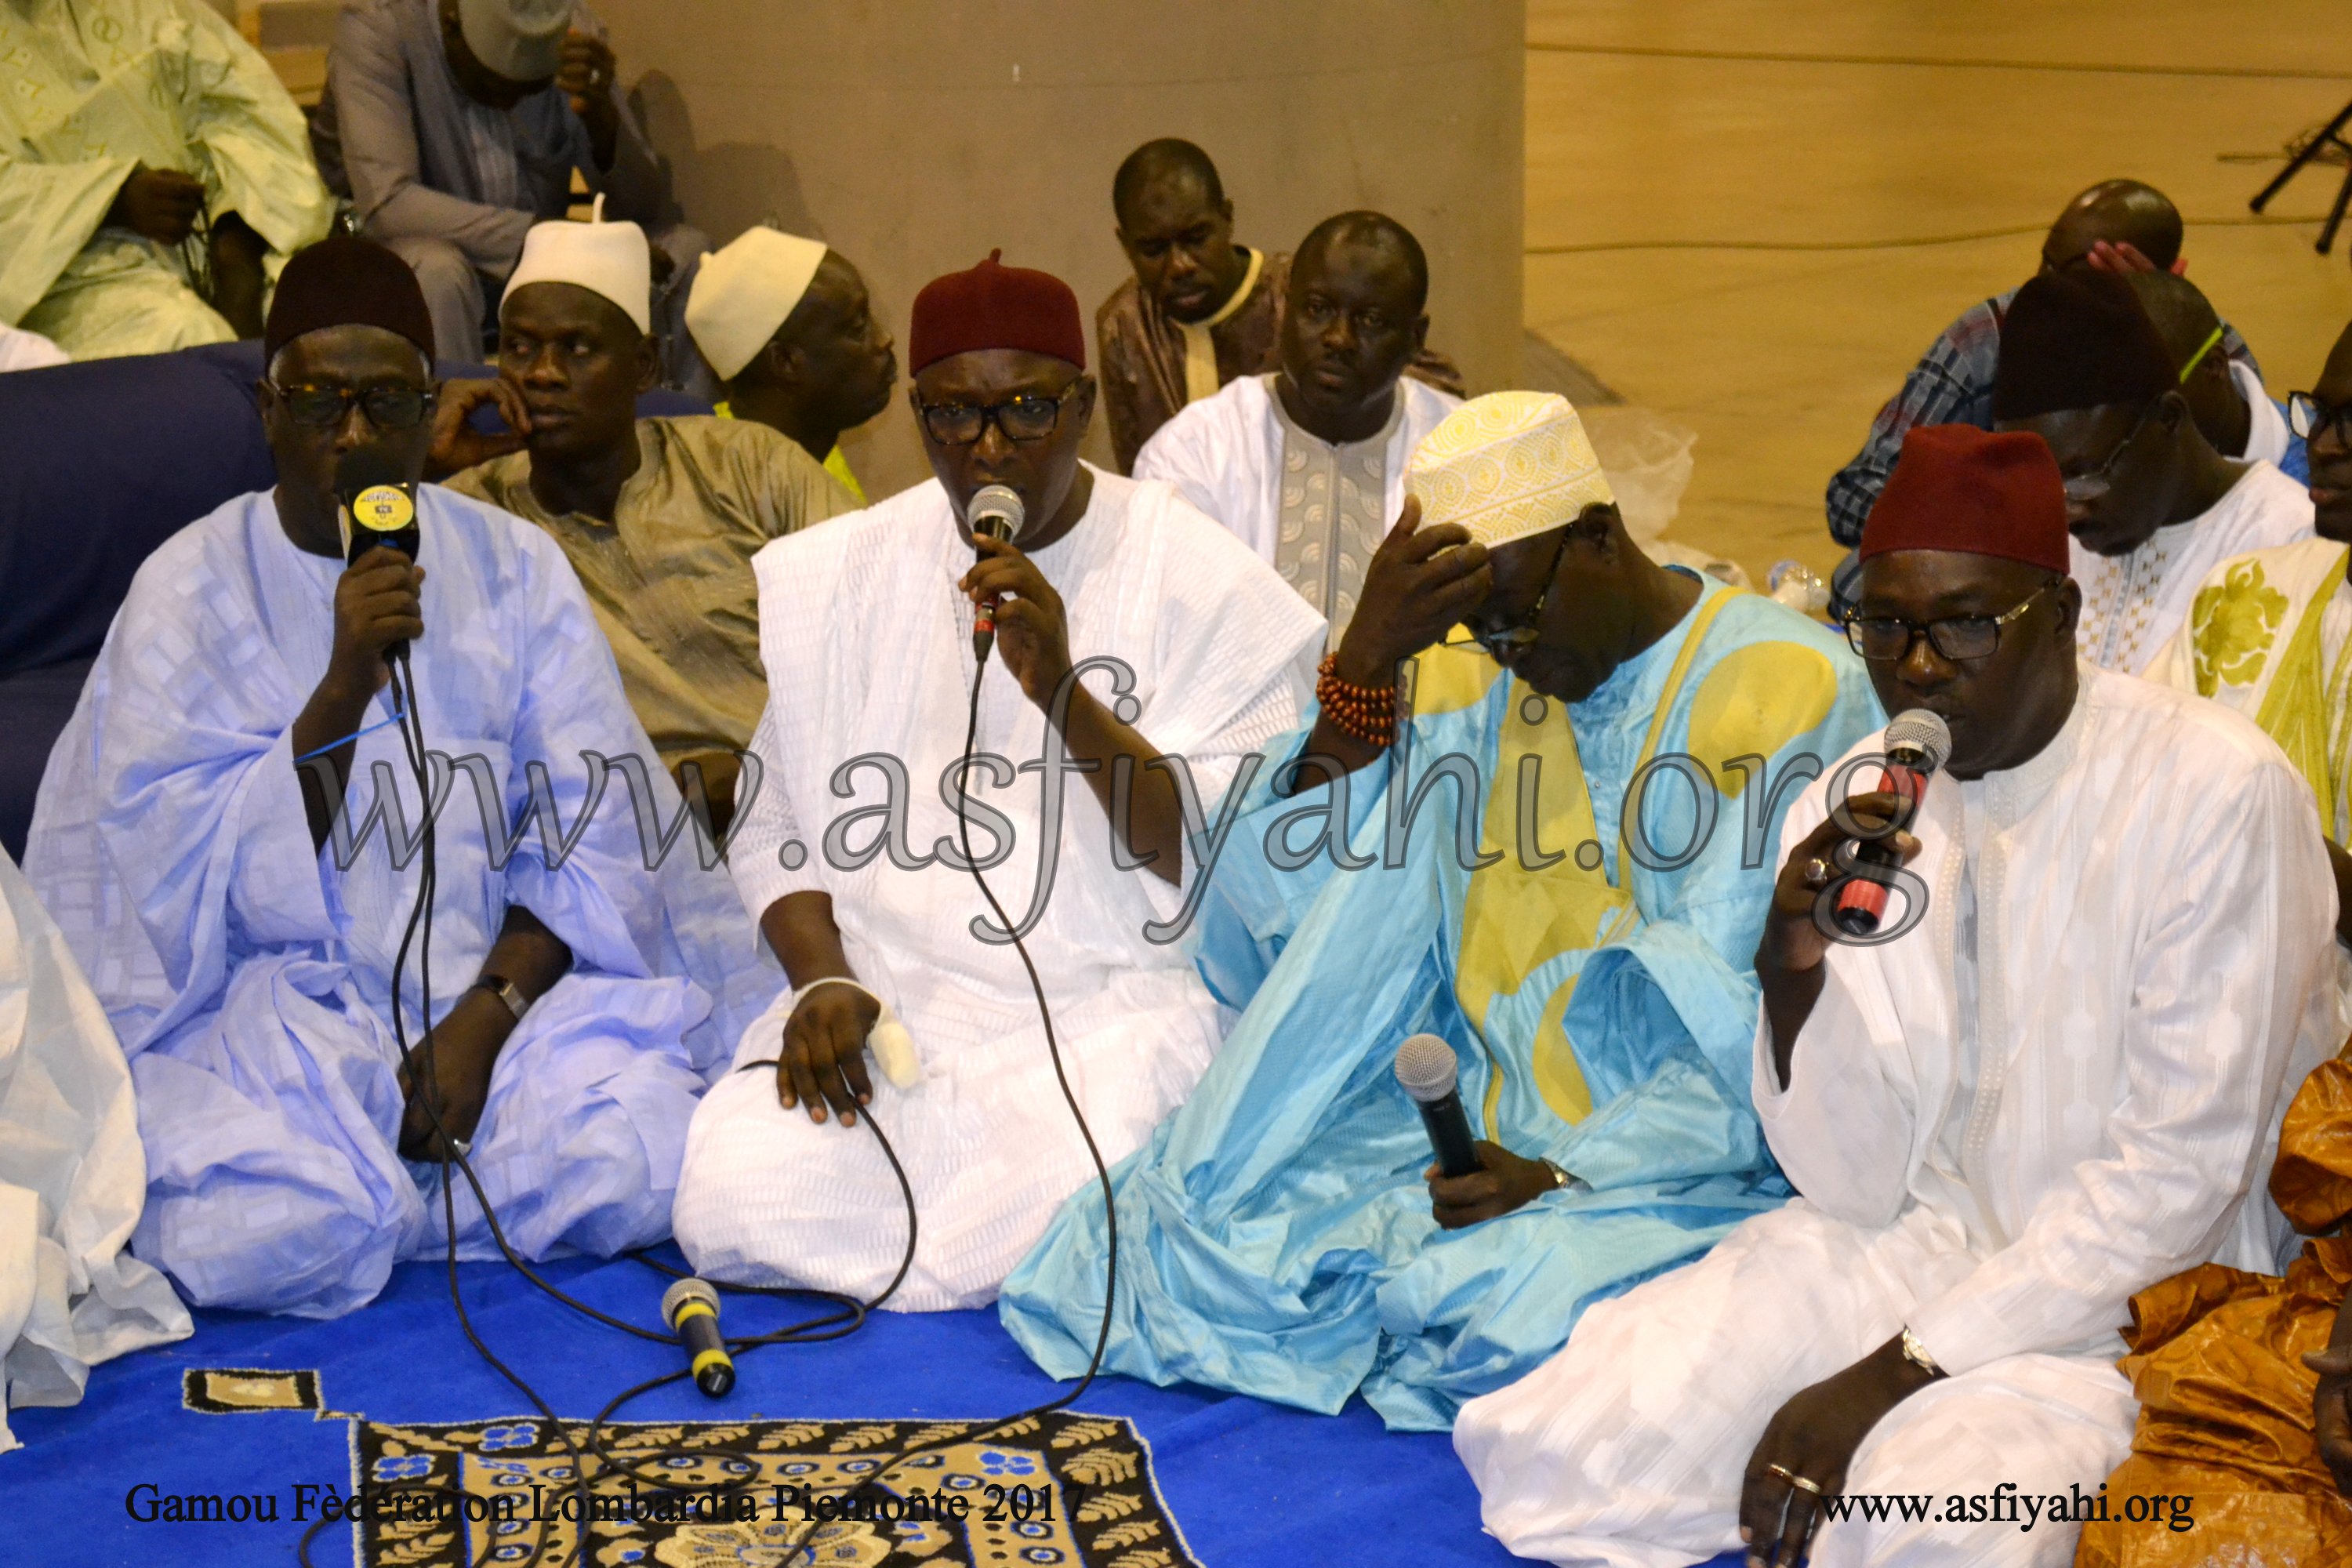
(690, 1308)
(375, 504)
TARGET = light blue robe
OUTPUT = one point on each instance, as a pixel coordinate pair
(1275, 1237)
(249, 978)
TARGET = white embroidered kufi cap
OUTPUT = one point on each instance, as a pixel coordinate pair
(1506, 465)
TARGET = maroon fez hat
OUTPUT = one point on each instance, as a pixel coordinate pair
(1959, 488)
(993, 306)
(345, 282)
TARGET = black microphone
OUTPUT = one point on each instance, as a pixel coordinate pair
(1425, 1065)
(375, 504)
(994, 513)
(1918, 743)
(690, 1308)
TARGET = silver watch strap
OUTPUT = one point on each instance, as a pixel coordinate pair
(506, 991)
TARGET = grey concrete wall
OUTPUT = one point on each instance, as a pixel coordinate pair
(914, 136)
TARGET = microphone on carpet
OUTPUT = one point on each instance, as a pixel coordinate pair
(375, 504)
(690, 1308)
(1918, 743)
(1426, 1067)
(996, 512)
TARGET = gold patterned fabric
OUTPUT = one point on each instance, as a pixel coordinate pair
(2266, 636)
(1065, 1488)
(671, 577)
(2225, 1400)
(1506, 465)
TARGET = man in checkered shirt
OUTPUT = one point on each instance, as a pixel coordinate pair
(2115, 226)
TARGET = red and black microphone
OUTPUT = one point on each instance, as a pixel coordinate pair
(994, 512)
(1918, 743)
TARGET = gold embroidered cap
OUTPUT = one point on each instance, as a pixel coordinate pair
(1506, 465)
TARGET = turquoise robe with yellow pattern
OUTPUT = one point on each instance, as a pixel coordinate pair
(1596, 978)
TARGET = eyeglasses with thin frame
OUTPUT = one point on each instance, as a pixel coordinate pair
(1316, 313)
(325, 407)
(2101, 480)
(2308, 417)
(1030, 417)
(1884, 639)
(1522, 630)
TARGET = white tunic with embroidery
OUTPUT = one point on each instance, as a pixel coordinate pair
(2132, 604)
(1289, 496)
(1997, 1165)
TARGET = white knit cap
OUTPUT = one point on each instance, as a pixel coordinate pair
(608, 258)
(522, 40)
(1506, 465)
(743, 291)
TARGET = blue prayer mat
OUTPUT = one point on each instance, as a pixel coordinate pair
(268, 1414)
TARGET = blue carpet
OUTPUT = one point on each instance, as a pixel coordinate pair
(1251, 1485)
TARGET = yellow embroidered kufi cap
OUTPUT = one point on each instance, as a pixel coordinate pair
(1506, 465)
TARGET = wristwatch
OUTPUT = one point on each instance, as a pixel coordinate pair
(506, 991)
(1916, 1354)
(1560, 1176)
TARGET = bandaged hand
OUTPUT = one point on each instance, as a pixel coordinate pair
(824, 1058)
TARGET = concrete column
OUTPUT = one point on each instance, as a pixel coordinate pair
(916, 138)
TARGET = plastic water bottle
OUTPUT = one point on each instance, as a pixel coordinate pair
(1799, 586)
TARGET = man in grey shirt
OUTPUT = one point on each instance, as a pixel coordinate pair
(452, 126)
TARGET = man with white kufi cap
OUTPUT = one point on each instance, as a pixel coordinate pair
(786, 326)
(452, 126)
(1576, 914)
(659, 517)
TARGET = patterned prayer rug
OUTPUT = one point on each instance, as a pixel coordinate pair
(1066, 1488)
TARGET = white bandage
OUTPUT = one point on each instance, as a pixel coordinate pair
(893, 1047)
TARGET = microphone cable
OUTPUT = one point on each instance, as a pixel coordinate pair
(848, 1315)
(417, 937)
(798, 1550)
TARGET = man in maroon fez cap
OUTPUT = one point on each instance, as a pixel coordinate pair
(2038, 1089)
(1186, 640)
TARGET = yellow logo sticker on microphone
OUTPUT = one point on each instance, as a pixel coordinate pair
(383, 508)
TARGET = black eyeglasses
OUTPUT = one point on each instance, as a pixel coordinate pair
(1522, 630)
(324, 407)
(2308, 417)
(1885, 638)
(1028, 417)
(2099, 480)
